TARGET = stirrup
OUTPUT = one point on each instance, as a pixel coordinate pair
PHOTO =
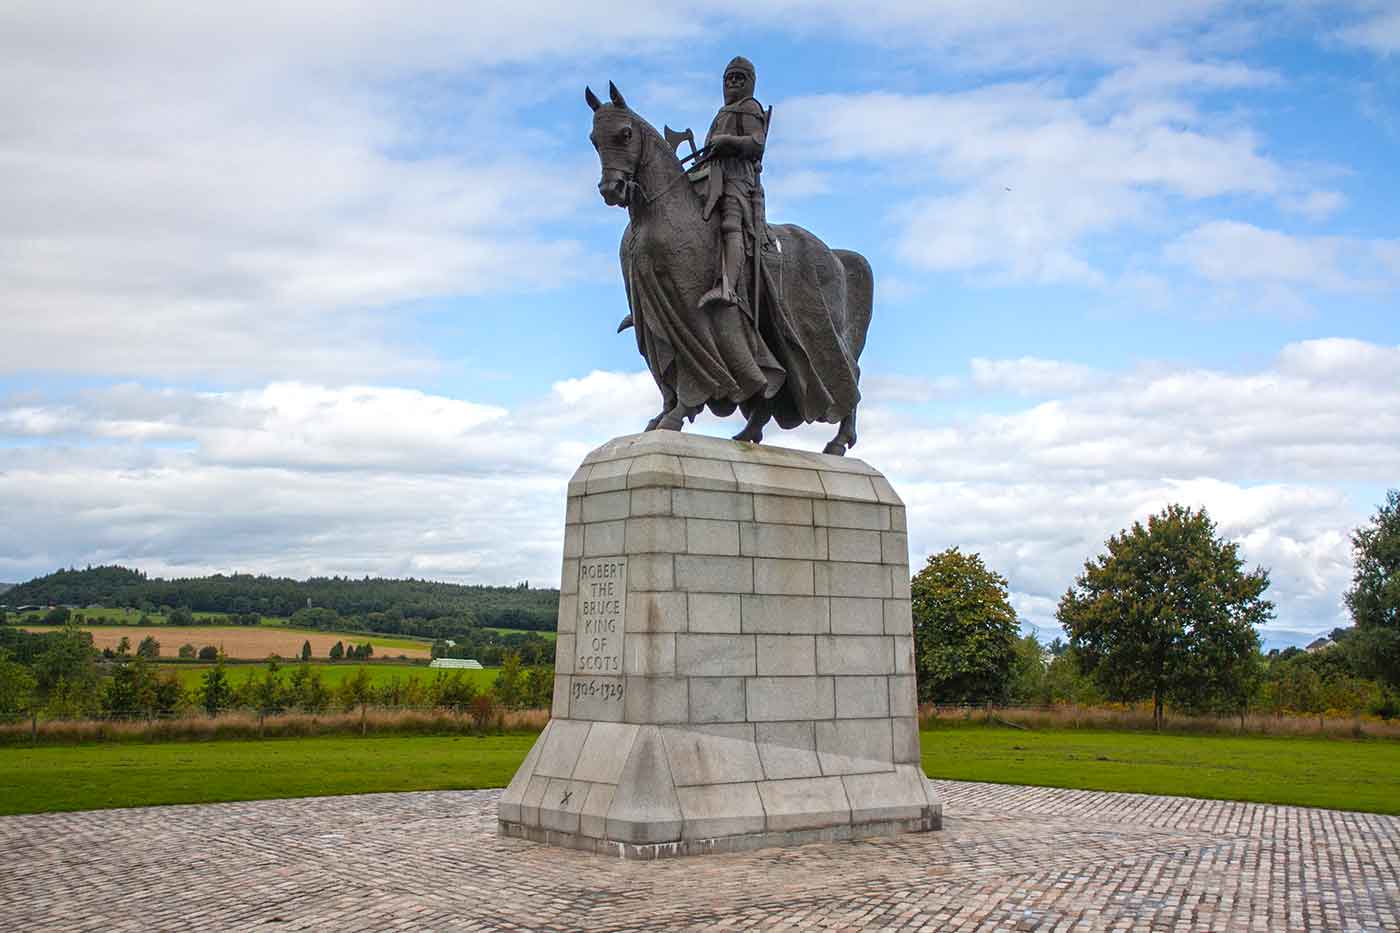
(716, 298)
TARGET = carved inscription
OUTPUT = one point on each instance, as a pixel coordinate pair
(602, 603)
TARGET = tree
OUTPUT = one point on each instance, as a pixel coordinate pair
(217, 693)
(539, 687)
(510, 682)
(208, 653)
(1168, 613)
(187, 651)
(337, 651)
(149, 648)
(1374, 597)
(66, 674)
(181, 616)
(17, 687)
(965, 630)
(306, 650)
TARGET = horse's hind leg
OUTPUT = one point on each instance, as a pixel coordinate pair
(758, 417)
(845, 436)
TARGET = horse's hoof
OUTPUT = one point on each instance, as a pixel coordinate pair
(747, 437)
(835, 449)
(670, 423)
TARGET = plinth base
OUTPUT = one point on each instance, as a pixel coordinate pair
(735, 657)
(720, 844)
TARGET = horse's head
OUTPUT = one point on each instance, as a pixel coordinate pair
(617, 135)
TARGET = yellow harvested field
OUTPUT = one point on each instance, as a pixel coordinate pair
(252, 641)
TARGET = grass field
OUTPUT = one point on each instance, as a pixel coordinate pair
(89, 777)
(332, 675)
(1344, 774)
(251, 641)
(547, 636)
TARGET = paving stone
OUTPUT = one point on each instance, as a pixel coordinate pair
(1009, 858)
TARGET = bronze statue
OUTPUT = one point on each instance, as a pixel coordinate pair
(730, 312)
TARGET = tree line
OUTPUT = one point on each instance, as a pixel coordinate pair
(391, 606)
(1166, 615)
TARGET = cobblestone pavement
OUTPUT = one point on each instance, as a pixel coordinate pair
(1011, 858)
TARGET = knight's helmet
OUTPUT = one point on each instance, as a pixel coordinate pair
(741, 64)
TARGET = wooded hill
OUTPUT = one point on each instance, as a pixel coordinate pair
(391, 601)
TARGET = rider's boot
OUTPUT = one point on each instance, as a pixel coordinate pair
(731, 261)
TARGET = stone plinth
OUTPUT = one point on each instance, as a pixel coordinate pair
(735, 660)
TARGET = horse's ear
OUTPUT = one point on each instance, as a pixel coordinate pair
(592, 98)
(616, 95)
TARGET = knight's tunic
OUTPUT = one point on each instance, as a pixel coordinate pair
(736, 176)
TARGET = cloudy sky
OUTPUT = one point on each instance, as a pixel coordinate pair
(327, 287)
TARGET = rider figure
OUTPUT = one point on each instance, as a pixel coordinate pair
(735, 144)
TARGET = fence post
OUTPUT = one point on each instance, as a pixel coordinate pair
(34, 727)
(362, 720)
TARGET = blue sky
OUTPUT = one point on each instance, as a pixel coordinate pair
(328, 288)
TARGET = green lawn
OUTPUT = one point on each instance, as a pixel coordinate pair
(332, 675)
(1343, 774)
(1339, 773)
(87, 777)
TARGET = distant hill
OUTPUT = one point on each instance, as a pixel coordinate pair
(6, 586)
(378, 604)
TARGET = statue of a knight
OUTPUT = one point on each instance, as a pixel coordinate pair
(734, 157)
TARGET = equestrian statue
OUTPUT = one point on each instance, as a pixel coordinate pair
(729, 311)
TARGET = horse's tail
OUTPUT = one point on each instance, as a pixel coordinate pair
(860, 298)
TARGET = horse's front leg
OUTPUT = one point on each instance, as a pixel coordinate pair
(845, 436)
(674, 419)
(758, 417)
(668, 402)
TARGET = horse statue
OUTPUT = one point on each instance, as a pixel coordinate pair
(790, 355)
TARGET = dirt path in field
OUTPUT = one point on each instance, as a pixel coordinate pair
(239, 642)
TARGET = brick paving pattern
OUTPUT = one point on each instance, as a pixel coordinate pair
(1011, 858)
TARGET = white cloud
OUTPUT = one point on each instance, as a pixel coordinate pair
(1231, 252)
(1379, 33)
(247, 192)
(1029, 375)
(1020, 177)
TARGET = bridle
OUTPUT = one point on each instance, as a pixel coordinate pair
(629, 180)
